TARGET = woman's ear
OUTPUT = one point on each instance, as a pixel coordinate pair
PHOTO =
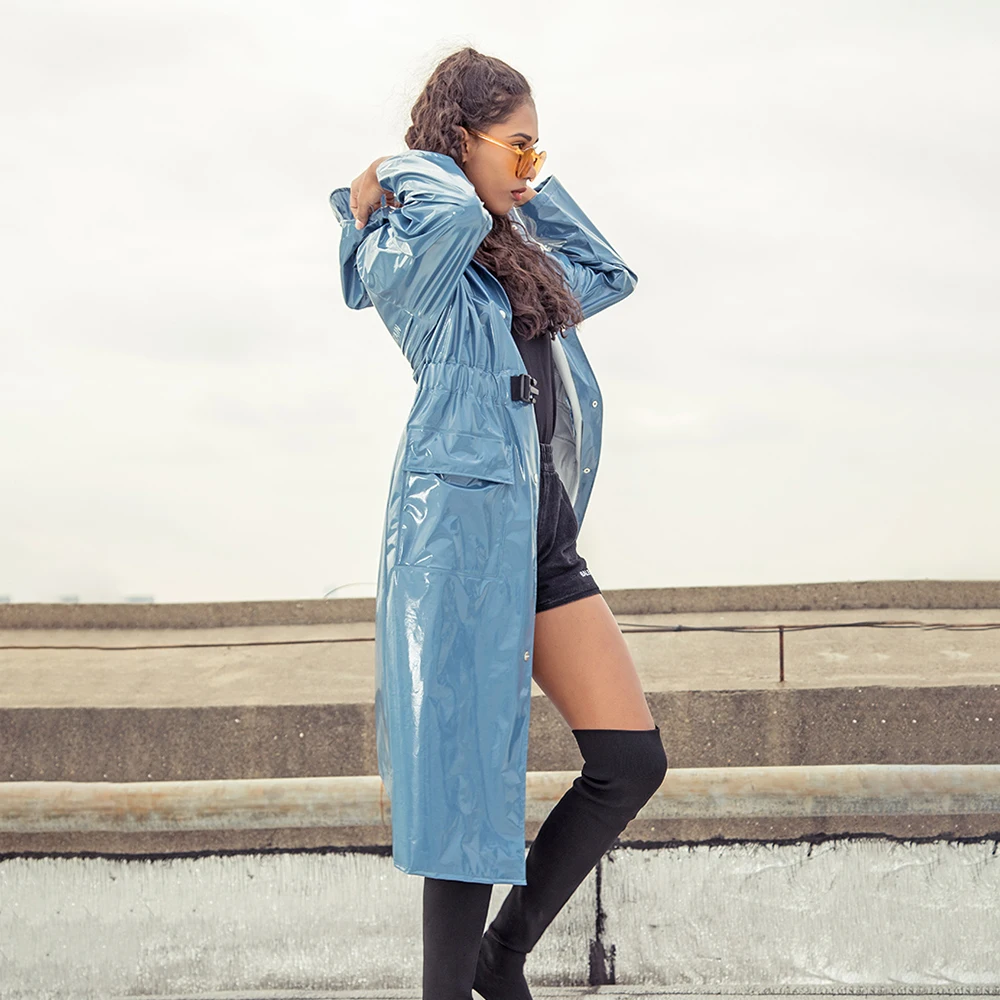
(465, 143)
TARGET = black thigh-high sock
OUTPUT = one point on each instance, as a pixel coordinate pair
(454, 913)
(622, 770)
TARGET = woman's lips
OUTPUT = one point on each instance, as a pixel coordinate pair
(517, 194)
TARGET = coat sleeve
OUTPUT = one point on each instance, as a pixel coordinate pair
(597, 276)
(412, 257)
(351, 238)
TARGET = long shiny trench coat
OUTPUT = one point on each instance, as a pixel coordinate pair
(455, 598)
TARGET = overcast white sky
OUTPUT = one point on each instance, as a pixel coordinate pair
(803, 387)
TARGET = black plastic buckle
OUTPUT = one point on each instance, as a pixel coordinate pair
(523, 388)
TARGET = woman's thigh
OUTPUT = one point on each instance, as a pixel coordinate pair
(583, 665)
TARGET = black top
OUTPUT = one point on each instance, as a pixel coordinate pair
(536, 353)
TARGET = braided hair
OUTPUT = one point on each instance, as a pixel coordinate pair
(476, 91)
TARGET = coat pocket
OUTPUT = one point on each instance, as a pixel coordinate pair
(455, 501)
(431, 449)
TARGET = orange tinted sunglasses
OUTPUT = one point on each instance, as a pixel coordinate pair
(527, 158)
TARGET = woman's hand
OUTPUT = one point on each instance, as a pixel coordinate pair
(366, 195)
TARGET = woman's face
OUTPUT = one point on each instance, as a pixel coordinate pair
(492, 168)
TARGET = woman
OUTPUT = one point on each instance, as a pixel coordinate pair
(480, 586)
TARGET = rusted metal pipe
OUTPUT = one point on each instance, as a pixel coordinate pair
(686, 793)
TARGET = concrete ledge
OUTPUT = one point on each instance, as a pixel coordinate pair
(686, 793)
(790, 727)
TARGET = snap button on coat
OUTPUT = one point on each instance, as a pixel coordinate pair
(456, 581)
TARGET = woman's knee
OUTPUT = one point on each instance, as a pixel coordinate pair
(622, 767)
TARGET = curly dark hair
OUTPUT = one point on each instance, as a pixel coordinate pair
(476, 91)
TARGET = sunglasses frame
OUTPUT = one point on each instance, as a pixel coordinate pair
(527, 158)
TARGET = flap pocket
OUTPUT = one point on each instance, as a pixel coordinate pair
(432, 449)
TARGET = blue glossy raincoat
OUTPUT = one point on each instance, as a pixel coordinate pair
(455, 598)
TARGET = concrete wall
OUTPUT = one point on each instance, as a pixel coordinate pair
(867, 915)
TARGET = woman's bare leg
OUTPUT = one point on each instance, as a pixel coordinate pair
(583, 665)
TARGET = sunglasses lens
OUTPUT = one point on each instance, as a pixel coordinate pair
(528, 159)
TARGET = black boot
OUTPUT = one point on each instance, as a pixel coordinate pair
(453, 915)
(622, 770)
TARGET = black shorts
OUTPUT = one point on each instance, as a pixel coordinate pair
(562, 572)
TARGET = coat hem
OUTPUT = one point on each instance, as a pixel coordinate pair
(460, 878)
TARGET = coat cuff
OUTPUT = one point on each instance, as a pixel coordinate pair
(551, 215)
